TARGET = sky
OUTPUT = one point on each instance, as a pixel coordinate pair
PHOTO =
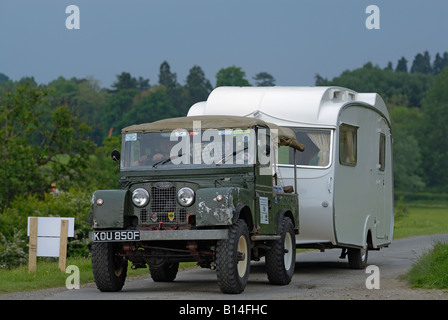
(293, 40)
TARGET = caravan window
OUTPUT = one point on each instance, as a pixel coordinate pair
(348, 145)
(317, 148)
(382, 159)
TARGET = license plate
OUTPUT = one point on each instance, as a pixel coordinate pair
(120, 235)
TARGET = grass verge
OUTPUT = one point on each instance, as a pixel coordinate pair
(431, 270)
(48, 275)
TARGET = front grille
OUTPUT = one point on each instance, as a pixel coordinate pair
(163, 206)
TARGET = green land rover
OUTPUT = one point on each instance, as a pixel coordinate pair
(202, 189)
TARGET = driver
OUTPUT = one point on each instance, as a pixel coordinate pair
(162, 152)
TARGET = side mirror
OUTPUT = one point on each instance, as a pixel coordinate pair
(115, 155)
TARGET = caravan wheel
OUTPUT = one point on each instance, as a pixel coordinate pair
(357, 258)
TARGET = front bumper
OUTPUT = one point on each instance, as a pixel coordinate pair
(160, 235)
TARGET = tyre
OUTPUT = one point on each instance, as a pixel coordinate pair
(167, 272)
(109, 269)
(233, 259)
(281, 257)
(357, 258)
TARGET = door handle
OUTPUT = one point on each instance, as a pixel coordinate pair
(329, 184)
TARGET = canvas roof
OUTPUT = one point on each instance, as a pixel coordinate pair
(286, 136)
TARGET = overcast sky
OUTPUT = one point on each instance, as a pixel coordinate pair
(292, 40)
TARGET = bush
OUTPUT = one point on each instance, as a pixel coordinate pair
(12, 251)
(14, 220)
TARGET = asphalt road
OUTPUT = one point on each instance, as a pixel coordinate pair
(317, 276)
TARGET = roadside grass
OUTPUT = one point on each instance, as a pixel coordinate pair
(430, 271)
(412, 219)
(48, 275)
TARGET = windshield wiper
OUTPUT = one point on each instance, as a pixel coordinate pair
(234, 153)
(167, 160)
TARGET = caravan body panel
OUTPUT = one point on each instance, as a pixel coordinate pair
(340, 204)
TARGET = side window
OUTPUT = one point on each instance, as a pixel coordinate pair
(348, 145)
(382, 159)
(317, 144)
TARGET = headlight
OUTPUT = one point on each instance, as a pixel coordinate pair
(185, 196)
(140, 197)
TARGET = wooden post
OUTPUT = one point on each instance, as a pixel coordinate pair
(63, 245)
(32, 255)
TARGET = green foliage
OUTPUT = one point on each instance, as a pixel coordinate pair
(431, 270)
(264, 79)
(12, 251)
(34, 135)
(13, 221)
(197, 86)
(386, 82)
(231, 76)
(434, 135)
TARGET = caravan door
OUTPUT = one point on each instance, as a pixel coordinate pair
(382, 170)
(315, 183)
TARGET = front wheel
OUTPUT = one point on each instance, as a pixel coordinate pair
(281, 257)
(233, 259)
(109, 268)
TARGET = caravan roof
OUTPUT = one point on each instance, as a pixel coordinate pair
(293, 106)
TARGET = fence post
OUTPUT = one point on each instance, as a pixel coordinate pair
(32, 254)
(63, 245)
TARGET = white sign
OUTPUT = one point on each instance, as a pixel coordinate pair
(264, 211)
(49, 233)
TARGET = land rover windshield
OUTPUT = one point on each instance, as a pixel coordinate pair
(199, 141)
(205, 147)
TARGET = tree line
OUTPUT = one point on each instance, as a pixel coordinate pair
(52, 131)
(59, 135)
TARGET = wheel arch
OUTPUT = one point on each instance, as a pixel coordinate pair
(244, 212)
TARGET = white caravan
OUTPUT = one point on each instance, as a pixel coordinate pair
(344, 176)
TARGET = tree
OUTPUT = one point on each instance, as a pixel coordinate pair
(433, 138)
(402, 65)
(152, 106)
(264, 79)
(406, 150)
(3, 77)
(124, 81)
(422, 64)
(40, 144)
(197, 86)
(85, 99)
(387, 83)
(439, 63)
(174, 91)
(117, 105)
(231, 76)
(319, 80)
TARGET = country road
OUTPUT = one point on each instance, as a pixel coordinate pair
(318, 276)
